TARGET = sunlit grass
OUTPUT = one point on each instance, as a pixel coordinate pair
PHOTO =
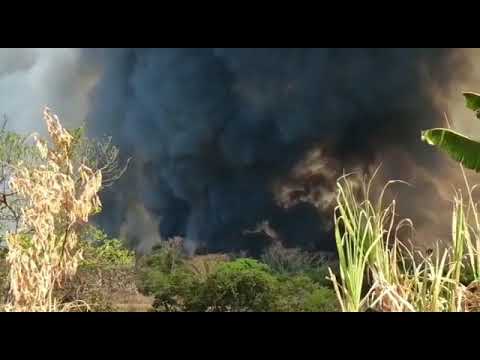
(379, 272)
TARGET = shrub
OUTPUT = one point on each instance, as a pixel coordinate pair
(292, 261)
(300, 293)
(100, 250)
(288, 260)
(240, 285)
(101, 287)
(107, 269)
(211, 284)
(205, 265)
(291, 292)
(177, 291)
(111, 253)
(154, 269)
(166, 256)
(320, 275)
(321, 299)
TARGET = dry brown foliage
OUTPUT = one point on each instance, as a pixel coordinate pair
(59, 199)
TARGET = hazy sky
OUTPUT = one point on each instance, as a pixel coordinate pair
(33, 78)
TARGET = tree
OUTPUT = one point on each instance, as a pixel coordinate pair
(461, 148)
(14, 149)
(240, 285)
(59, 197)
(97, 154)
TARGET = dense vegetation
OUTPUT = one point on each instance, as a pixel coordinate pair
(51, 260)
(379, 272)
(81, 265)
(286, 280)
(109, 279)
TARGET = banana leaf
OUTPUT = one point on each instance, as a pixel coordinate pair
(459, 147)
(473, 102)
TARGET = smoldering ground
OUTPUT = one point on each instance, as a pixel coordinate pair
(224, 139)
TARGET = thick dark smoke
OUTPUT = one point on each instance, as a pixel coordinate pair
(212, 130)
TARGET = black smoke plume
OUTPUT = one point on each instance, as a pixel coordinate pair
(212, 131)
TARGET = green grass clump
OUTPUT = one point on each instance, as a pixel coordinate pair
(379, 272)
(362, 230)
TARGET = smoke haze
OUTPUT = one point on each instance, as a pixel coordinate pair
(224, 139)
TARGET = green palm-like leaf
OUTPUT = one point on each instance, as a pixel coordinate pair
(473, 102)
(459, 147)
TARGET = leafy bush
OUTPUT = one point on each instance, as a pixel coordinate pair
(320, 275)
(176, 281)
(205, 265)
(293, 261)
(300, 293)
(99, 250)
(110, 253)
(321, 300)
(240, 285)
(177, 291)
(100, 288)
(107, 269)
(166, 257)
(104, 276)
(154, 270)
